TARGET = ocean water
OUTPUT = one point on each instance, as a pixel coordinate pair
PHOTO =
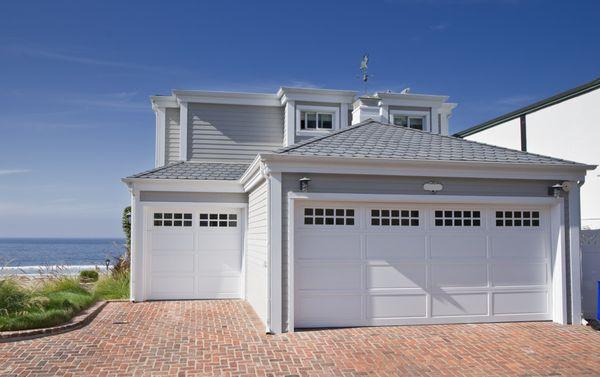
(29, 255)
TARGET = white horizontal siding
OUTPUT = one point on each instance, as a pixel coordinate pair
(172, 135)
(233, 132)
(256, 251)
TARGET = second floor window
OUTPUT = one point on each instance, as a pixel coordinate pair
(409, 121)
(313, 120)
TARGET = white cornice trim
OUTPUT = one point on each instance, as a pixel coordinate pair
(163, 102)
(229, 98)
(182, 185)
(345, 165)
(286, 94)
(389, 97)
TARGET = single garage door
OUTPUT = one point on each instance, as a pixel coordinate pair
(193, 254)
(390, 264)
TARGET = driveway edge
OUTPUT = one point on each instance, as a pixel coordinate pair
(80, 320)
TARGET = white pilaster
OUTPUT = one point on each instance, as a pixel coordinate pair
(160, 136)
(290, 124)
(275, 260)
(136, 290)
(344, 115)
(575, 252)
(183, 136)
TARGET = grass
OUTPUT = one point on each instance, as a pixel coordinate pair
(54, 300)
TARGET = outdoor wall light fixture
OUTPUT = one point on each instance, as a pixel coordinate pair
(304, 181)
(557, 189)
(433, 187)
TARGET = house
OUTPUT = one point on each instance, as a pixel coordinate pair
(566, 125)
(322, 208)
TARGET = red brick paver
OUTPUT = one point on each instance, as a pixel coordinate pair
(215, 338)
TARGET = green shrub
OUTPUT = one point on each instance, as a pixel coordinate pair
(62, 284)
(37, 319)
(112, 287)
(88, 275)
(13, 297)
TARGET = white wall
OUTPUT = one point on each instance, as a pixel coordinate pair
(506, 135)
(256, 251)
(569, 130)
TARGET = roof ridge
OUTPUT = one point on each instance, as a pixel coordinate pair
(319, 138)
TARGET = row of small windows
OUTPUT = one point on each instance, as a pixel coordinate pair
(172, 219)
(405, 217)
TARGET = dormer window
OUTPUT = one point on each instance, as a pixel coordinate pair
(409, 121)
(311, 120)
(418, 120)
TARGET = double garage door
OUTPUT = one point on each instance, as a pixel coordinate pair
(389, 264)
(193, 253)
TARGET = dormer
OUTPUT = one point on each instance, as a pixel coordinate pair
(418, 111)
(314, 112)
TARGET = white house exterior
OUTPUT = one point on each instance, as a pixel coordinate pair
(566, 125)
(321, 209)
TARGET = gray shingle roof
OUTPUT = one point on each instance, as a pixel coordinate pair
(372, 139)
(196, 170)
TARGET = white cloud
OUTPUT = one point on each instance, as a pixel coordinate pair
(516, 100)
(13, 171)
(439, 27)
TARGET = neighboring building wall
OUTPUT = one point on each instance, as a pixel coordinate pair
(364, 184)
(256, 251)
(569, 130)
(233, 132)
(507, 135)
(172, 133)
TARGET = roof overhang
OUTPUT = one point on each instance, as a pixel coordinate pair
(424, 168)
(183, 185)
(229, 98)
(286, 94)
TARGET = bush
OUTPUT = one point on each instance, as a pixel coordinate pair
(62, 284)
(113, 287)
(88, 275)
(13, 297)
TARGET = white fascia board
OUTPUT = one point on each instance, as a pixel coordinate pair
(429, 198)
(183, 185)
(315, 95)
(163, 102)
(251, 170)
(449, 106)
(346, 165)
(393, 97)
(227, 98)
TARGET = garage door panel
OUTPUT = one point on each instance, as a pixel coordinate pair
(226, 261)
(459, 275)
(520, 302)
(329, 276)
(446, 304)
(457, 246)
(518, 245)
(397, 275)
(172, 286)
(395, 246)
(219, 241)
(510, 274)
(173, 262)
(323, 310)
(220, 286)
(398, 306)
(175, 240)
(328, 246)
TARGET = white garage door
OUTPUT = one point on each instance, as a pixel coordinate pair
(388, 264)
(193, 254)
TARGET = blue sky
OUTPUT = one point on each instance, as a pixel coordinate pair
(75, 77)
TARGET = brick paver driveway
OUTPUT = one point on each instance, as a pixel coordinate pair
(222, 338)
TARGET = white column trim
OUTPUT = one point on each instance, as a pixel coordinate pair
(160, 136)
(183, 135)
(290, 123)
(136, 292)
(274, 254)
(575, 252)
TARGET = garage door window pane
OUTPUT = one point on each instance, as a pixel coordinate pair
(517, 219)
(328, 216)
(218, 220)
(170, 219)
(394, 217)
(457, 218)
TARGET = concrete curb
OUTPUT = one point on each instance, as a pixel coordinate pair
(80, 320)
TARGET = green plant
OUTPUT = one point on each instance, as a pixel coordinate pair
(13, 297)
(88, 275)
(113, 286)
(62, 283)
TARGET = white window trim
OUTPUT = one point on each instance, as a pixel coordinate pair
(411, 113)
(321, 109)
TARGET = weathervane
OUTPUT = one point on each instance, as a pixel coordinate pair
(364, 65)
